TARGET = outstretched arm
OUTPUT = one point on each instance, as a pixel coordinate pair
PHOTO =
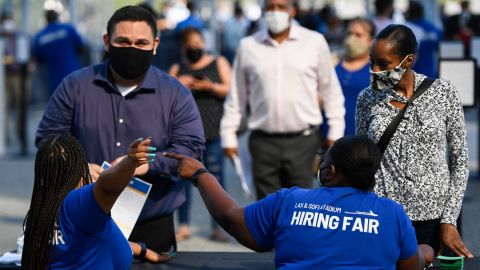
(113, 181)
(221, 206)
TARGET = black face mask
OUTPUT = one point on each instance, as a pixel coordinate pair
(193, 54)
(129, 62)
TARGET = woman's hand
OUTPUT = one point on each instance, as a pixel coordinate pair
(139, 153)
(114, 180)
(187, 81)
(187, 166)
(451, 238)
(204, 84)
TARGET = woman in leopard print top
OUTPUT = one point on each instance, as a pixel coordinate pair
(425, 165)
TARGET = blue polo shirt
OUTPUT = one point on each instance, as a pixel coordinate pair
(88, 105)
(58, 46)
(87, 238)
(331, 228)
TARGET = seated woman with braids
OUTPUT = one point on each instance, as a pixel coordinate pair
(68, 225)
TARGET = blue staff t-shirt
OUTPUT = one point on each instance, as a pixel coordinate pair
(331, 228)
(87, 238)
(58, 45)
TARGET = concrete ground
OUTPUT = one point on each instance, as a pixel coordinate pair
(16, 185)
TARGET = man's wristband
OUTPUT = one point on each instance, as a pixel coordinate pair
(197, 174)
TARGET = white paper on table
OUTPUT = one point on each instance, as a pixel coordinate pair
(11, 257)
(237, 164)
(127, 208)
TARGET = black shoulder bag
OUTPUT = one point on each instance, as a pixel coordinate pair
(392, 127)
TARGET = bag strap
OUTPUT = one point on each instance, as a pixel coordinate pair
(392, 127)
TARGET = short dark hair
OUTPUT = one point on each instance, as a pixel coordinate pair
(415, 10)
(51, 16)
(187, 32)
(191, 6)
(134, 14)
(382, 5)
(401, 37)
(357, 158)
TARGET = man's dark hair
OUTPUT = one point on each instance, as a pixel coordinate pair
(401, 37)
(51, 16)
(357, 158)
(191, 6)
(237, 9)
(465, 5)
(60, 166)
(381, 6)
(133, 14)
(415, 10)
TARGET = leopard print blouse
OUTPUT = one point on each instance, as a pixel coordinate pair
(425, 165)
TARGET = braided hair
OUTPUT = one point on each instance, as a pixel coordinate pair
(60, 167)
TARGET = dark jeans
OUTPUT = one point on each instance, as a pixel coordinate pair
(281, 161)
(157, 233)
(428, 232)
(213, 161)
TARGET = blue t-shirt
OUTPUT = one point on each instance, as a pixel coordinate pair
(58, 46)
(331, 228)
(87, 237)
(352, 82)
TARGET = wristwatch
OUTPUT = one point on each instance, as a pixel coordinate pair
(197, 174)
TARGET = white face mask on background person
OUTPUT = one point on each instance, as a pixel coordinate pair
(387, 79)
(277, 21)
(355, 46)
(9, 25)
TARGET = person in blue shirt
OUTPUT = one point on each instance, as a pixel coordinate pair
(342, 225)
(108, 105)
(353, 71)
(426, 62)
(69, 225)
(58, 46)
(192, 21)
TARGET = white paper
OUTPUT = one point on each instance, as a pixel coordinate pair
(127, 208)
(10, 257)
(462, 74)
(237, 164)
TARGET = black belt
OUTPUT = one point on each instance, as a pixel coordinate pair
(305, 132)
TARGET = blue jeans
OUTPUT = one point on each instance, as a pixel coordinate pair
(213, 161)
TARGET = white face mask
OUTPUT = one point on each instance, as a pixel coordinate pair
(9, 25)
(277, 21)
